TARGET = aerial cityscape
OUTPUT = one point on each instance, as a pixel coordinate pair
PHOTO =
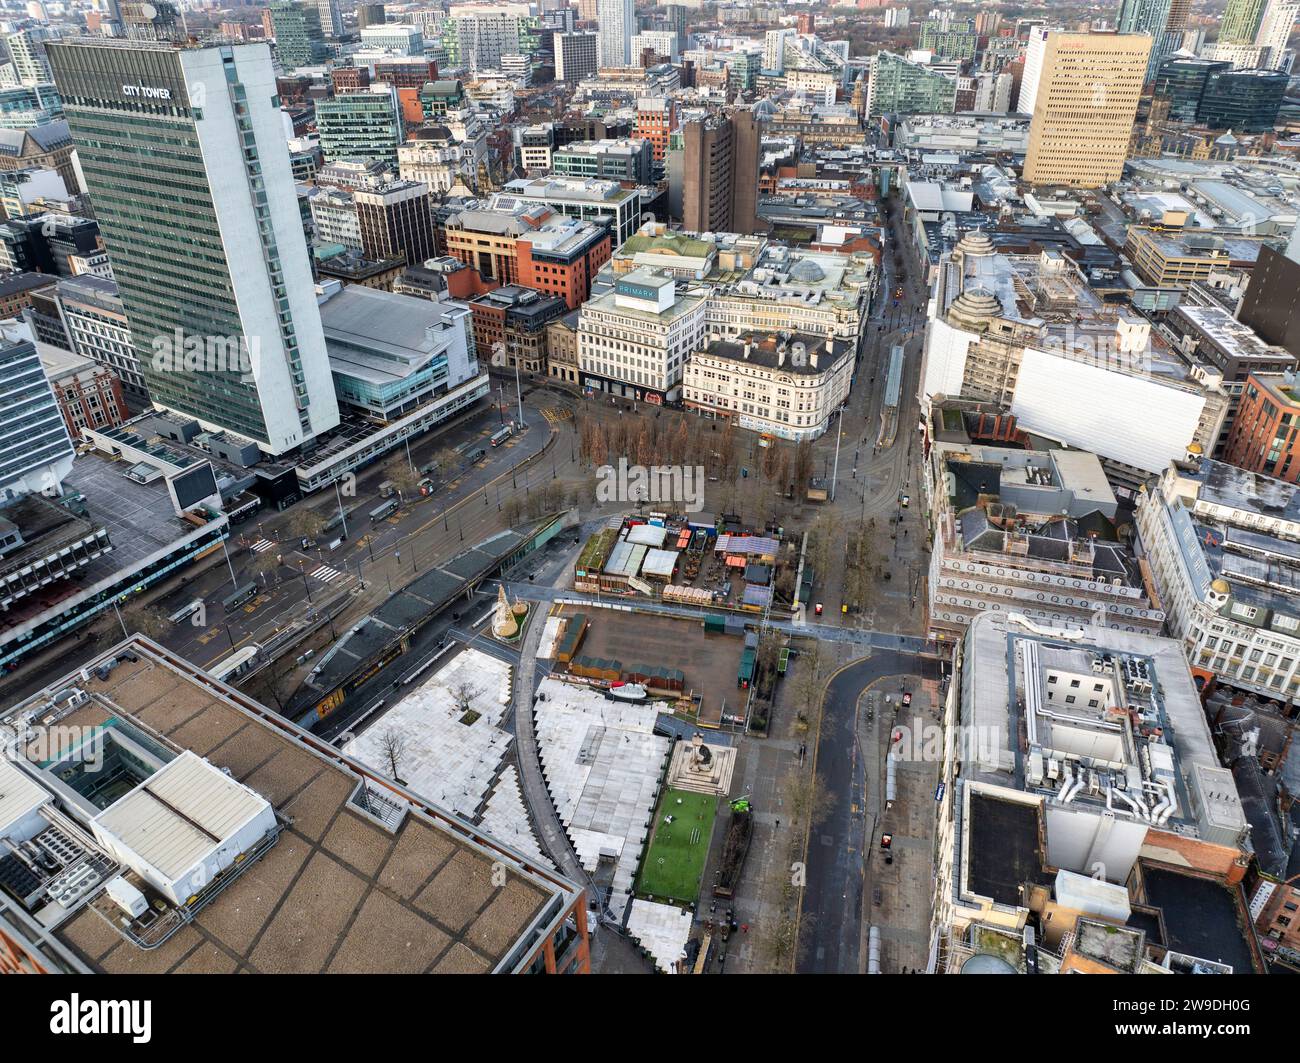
(609, 487)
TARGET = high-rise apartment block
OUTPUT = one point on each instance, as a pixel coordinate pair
(35, 449)
(617, 23)
(719, 159)
(299, 37)
(396, 219)
(361, 125)
(575, 55)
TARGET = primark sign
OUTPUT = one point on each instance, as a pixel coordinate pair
(146, 92)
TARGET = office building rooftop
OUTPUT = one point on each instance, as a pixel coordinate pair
(1098, 718)
(339, 870)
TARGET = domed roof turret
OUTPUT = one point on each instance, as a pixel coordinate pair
(806, 270)
(976, 242)
(975, 306)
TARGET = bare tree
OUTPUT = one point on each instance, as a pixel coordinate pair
(769, 654)
(399, 472)
(823, 542)
(273, 685)
(553, 495)
(263, 565)
(463, 695)
(393, 745)
(803, 468)
(784, 583)
(307, 523)
(808, 685)
(146, 620)
(447, 461)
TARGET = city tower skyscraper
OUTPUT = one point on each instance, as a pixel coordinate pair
(1154, 18)
(184, 156)
(1241, 20)
(1275, 28)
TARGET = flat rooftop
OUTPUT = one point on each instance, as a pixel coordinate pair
(1236, 339)
(1045, 294)
(383, 338)
(338, 892)
(574, 189)
(1141, 673)
(1202, 918)
(1249, 492)
(1005, 849)
(138, 518)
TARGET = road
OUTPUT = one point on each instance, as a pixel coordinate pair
(857, 637)
(831, 921)
(464, 511)
(537, 797)
(838, 846)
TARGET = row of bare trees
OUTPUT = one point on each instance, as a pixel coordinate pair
(719, 446)
(548, 498)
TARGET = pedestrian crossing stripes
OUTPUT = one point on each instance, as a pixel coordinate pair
(327, 574)
(261, 545)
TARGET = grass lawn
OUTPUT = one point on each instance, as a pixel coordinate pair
(674, 860)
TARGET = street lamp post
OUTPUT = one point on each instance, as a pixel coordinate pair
(343, 517)
(839, 434)
(234, 582)
(519, 393)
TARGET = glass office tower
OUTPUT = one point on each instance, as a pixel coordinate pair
(184, 155)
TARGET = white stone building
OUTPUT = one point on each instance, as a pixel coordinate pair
(633, 342)
(783, 384)
(1224, 549)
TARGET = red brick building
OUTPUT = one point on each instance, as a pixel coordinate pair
(656, 118)
(407, 75)
(562, 257)
(1278, 921)
(1265, 435)
(530, 246)
(89, 394)
(510, 327)
(350, 79)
